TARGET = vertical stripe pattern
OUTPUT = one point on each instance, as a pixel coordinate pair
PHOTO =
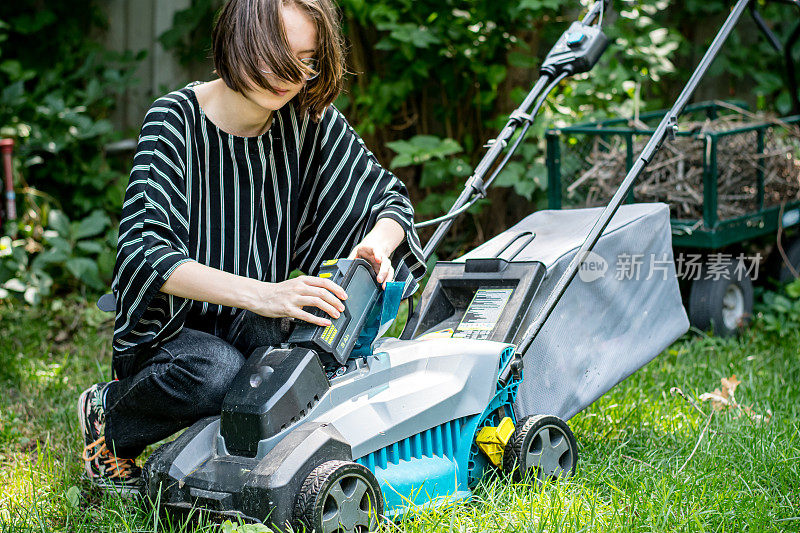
(260, 207)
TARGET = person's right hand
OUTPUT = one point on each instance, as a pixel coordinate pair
(287, 299)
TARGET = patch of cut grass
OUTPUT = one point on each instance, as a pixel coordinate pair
(744, 475)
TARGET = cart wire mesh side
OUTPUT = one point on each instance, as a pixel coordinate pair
(728, 175)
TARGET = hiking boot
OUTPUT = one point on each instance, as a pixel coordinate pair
(103, 468)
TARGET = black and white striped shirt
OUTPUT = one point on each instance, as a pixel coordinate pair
(259, 207)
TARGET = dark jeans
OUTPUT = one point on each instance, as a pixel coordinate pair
(182, 381)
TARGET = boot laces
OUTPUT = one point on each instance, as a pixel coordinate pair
(115, 467)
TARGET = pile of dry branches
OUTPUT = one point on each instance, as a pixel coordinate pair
(675, 175)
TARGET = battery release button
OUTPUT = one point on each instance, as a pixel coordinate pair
(574, 39)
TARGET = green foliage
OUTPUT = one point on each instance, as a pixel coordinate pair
(189, 38)
(421, 149)
(747, 57)
(452, 60)
(57, 256)
(438, 169)
(57, 91)
(58, 87)
(230, 527)
(779, 312)
(463, 68)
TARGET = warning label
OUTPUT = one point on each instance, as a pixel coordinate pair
(483, 313)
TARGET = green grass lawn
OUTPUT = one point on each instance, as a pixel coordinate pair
(633, 474)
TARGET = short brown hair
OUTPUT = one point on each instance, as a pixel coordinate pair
(247, 31)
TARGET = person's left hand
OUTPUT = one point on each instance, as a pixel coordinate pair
(375, 254)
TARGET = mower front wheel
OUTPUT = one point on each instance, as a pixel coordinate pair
(543, 447)
(341, 497)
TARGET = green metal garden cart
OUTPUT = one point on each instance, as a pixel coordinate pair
(714, 238)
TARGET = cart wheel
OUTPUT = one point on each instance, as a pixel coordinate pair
(726, 303)
(340, 497)
(785, 274)
(541, 445)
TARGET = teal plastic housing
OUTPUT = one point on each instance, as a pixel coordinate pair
(439, 466)
(379, 319)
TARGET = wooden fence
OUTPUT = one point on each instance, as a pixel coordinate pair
(135, 25)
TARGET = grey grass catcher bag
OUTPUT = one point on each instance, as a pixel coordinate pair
(621, 310)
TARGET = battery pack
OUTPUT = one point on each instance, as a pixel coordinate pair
(358, 280)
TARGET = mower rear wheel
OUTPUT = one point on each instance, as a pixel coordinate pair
(542, 447)
(340, 497)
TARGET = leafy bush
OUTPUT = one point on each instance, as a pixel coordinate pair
(58, 87)
(58, 92)
(779, 312)
(432, 154)
(58, 256)
(748, 67)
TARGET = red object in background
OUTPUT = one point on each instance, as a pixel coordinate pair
(6, 149)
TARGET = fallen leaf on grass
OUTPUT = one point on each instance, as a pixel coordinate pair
(73, 496)
(724, 398)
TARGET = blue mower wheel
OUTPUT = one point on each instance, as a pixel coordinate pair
(542, 447)
(340, 497)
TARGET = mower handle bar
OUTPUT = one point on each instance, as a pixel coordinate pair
(517, 115)
(667, 127)
(596, 9)
(475, 187)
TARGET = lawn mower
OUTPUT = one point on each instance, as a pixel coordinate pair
(322, 434)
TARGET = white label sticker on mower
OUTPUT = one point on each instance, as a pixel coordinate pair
(483, 313)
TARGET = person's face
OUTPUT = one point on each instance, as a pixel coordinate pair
(302, 36)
